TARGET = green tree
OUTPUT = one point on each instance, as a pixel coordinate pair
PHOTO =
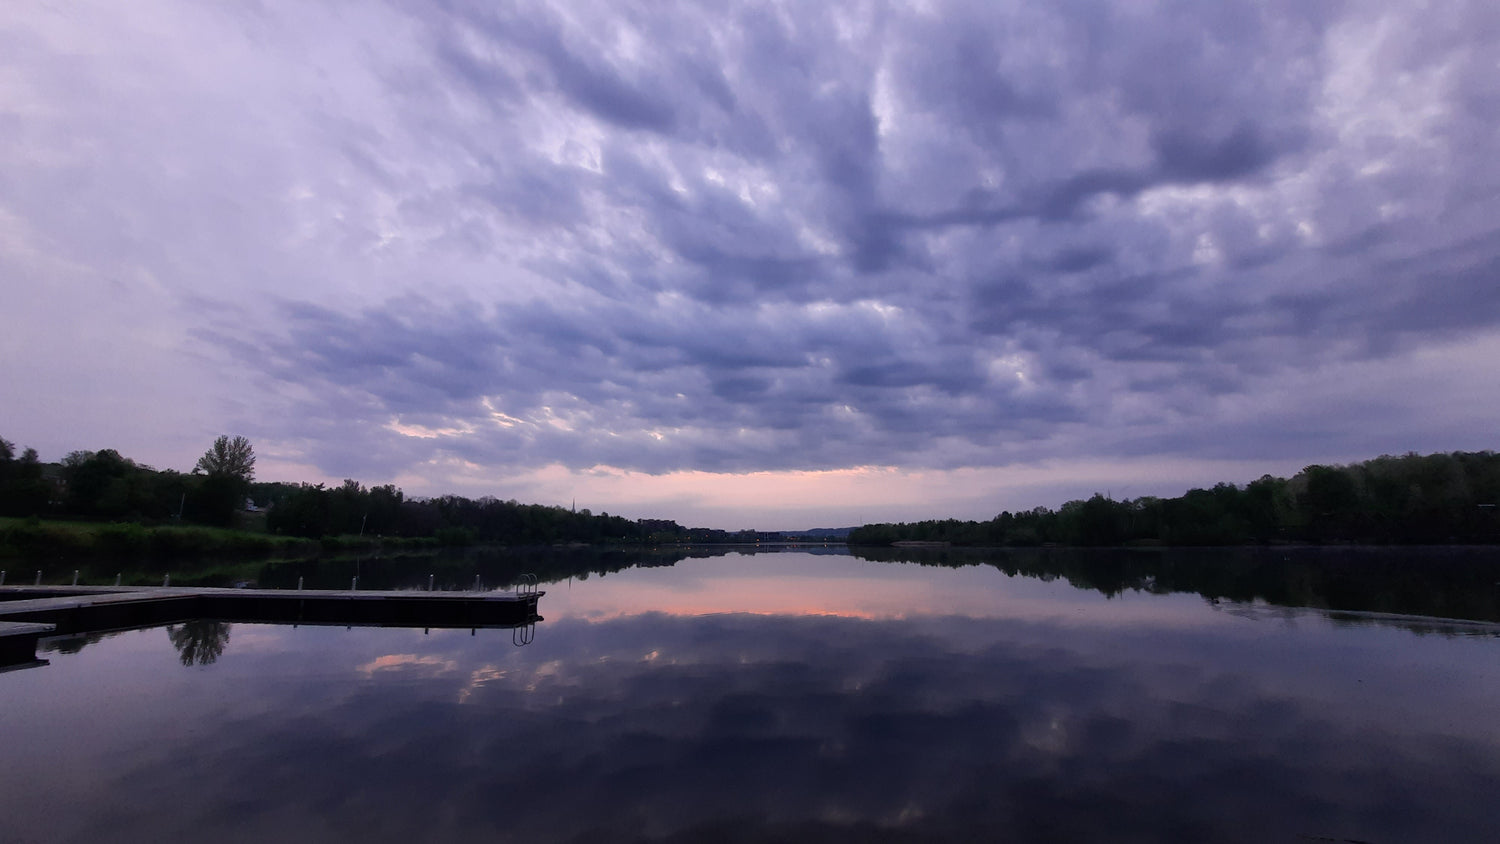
(1330, 502)
(228, 456)
(99, 483)
(29, 492)
(22, 490)
(228, 467)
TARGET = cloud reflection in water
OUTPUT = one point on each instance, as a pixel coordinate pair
(764, 727)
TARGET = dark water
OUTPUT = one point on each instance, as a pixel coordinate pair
(785, 697)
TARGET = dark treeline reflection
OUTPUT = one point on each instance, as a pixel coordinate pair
(197, 641)
(1459, 583)
(72, 644)
(451, 568)
(494, 567)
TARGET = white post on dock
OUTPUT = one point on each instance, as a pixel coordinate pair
(166, 579)
(354, 584)
(429, 582)
(38, 577)
(117, 578)
(476, 583)
(2, 577)
(299, 583)
(75, 577)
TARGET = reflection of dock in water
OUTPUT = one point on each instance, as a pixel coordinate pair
(28, 613)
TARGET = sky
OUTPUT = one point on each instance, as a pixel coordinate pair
(752, 265)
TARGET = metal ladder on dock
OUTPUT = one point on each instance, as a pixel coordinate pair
(526, 586)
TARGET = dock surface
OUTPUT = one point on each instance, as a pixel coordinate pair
(28, 613)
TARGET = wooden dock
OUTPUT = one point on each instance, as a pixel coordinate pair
(28, 613)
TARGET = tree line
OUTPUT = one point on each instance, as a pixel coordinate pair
(1429, 499)
(107, 486)
(316, 510)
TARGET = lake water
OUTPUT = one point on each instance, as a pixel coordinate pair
(789, 697)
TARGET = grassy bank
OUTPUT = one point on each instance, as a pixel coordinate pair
(33, 538)
(48, 539)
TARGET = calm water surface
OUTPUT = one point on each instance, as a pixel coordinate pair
(771, 697)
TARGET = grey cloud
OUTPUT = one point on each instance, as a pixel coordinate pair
(534, 194)
(783, 385)
(1193, 158)
(1073, 310)
(951, 375)
(586, 79)
(736, 237)
(1077, 259)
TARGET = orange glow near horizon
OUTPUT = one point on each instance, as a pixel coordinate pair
(801, 499)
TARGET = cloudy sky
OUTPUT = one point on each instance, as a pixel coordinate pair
(752, 265)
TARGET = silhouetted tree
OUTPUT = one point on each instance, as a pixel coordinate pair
(229, 467)
(102, 484)
(229, 457)
(23, 492)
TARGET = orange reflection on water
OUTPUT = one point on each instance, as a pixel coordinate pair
(397, 662)
(801, 584)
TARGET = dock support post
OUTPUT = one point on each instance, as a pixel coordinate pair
(299, 583)
(166, 579)
(476, 583)
(75, 577)
(117, 578)
(38, 577)
(429, 582)
(354, 584)
(2, 577)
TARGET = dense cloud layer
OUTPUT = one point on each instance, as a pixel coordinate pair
(738, 238)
